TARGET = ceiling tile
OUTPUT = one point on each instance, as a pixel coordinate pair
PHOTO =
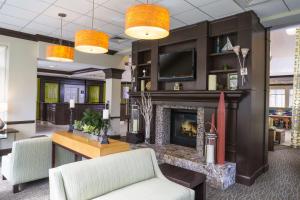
(17, 12)
(98, 1)
(198, 3)
(293, 4)
(80, 6)
(67, 35)
(269, 8)
(112, 29)
(221, 8)
(13, 20)
(176, 6)
(40, 27)
(54, 10)
(120, 7)
(87, 21)
(176, 23)
(192, 16)
(36, 6)
(48, 21)
(9, 26)
(71, 27)
(149, 1)
(108, 15)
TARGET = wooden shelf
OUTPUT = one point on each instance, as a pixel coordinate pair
(221, 71)
(144, 65)
(144, 77)
(222, 53)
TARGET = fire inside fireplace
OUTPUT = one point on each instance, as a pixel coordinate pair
(184, 127)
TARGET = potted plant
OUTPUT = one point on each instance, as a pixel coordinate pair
(91, 124)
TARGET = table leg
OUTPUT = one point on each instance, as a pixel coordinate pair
(200, 192)
(53, 155)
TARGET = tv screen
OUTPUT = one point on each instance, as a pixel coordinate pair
(177, 65)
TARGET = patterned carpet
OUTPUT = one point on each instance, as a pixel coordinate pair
(281, 182)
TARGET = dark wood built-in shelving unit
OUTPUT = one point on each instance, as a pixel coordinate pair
(246, 139)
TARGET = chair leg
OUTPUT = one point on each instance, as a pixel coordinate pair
(16, 188)
(3, 177)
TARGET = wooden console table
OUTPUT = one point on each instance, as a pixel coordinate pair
(187, 178)
(85, 147)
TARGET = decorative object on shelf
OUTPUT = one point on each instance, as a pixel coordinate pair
(228, 46)
(296, 89)
(142, 85)
(147, 21)
(126, 96)
(212, 82)
(146, 111)
(243, 69)
(225, 67)
(217, 45)
(106, 122)
(3, 109)
(91, 41)
(149, 62)
(177, 86)
(211, 142)
(72, 106)
(135, 120)
(232, 81)
(60, 52)
(148, 86)
(144, 73)
(221, 130)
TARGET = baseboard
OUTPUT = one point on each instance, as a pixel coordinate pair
(249, 180)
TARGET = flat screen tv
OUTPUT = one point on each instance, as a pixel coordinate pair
(177, 66)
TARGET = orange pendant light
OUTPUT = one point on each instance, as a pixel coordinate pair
(60, 52)
(147, 21)
(91, 41)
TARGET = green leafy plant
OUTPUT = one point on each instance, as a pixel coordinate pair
(78, 125)
(92, 121)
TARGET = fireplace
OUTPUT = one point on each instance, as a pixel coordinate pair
(184, 127)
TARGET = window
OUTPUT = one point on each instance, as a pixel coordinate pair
(277, 98)
(3, 81)
(291, 98)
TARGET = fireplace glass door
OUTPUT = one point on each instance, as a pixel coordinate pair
(184, 127)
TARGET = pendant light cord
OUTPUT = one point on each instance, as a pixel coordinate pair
(61, 19)
(93, 14)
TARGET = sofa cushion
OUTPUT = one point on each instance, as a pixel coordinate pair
(153, 189)
(92, 178)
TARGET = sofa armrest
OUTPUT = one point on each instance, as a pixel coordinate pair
(56, 184)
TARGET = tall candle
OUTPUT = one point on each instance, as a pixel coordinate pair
(72, 103)
(212, 82)
(210, 154)
(135, 125)
(105, 114)
(142, 85)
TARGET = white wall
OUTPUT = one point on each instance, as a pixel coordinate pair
(22, 82)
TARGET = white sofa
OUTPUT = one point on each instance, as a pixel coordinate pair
(132, 175)
(31, 160)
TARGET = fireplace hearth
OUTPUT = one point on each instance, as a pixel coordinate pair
(184, 127)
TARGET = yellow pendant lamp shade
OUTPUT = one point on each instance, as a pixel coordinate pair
(91, 41)
(147, 21)
(60, 53)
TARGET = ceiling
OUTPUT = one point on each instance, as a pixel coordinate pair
(40, 16)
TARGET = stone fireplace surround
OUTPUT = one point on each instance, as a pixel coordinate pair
(163, 125)
(218, 176)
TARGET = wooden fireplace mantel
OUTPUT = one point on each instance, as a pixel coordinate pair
(192, 95)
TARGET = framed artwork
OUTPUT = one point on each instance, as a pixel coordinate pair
(232, 81)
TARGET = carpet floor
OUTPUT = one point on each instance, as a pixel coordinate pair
(281, 182)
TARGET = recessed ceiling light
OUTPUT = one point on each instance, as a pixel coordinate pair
(291, 31)
(51, 66)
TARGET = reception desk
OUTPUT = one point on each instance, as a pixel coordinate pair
(59, 113)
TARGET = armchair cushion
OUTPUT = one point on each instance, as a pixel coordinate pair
(152, 189)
